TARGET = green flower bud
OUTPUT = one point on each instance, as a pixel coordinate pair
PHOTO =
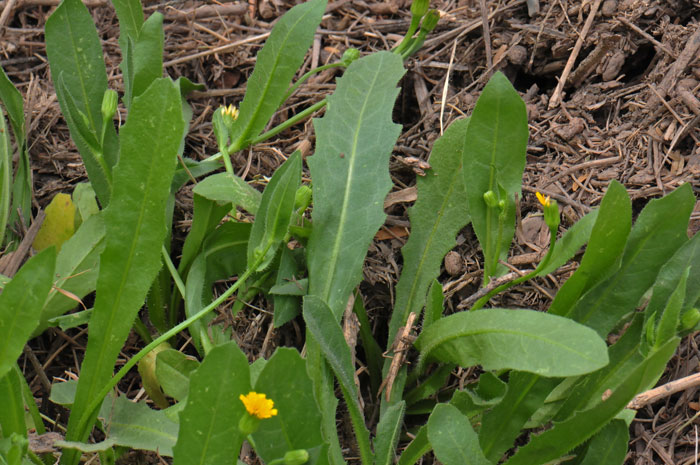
(690, 319)
(248, 424)
(296, 457)
(419, 8)
(349, 56)
(490, 199)
(302, 198)
(109, 104)
(551, 211)
(430, 20)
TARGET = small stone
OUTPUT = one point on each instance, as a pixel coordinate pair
(453, 263)
(517, 54)
(609, 7)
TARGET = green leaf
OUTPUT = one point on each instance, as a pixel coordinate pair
(12, 405)
(209, 431)
(173, 370)
(503, 424)
(327, 332)
(416, 448)
(85, 203)
(135, 230)
(130, 20)
(222, 256)
(294, 401)
(20, 305)
(488, 392)
(570, 243)
(566, 435)
(437, 216)
(609, 445)
(286, 306)
(434, 304)
(275, 66)
(430, 385)
(605, 246)
(224, 188)
(72, 320)
(76, 270)
(148, 57)
(556, 346)
(350, 173)
(206, 216)
(373, 353)
(58, 225)
(668, 322)
(12, 101)
(5, 176)
(494, 160)
(275, 212)
(135, 425)
(658, 232)
(388, 432)
(453, 439)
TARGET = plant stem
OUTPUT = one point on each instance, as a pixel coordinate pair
(290, 122)
(308, 75)
(481, 302)
(173, 271)
(82, 424)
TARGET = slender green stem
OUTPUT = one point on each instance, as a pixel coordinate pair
(142, 331)
(290, 122)
(545, 261)
(173, 271)
(82, 424)
(308, 75)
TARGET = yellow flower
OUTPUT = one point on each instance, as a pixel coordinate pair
(231, 111)
(545, 201)
(258, 405)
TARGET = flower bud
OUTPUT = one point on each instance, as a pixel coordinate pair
(419, 8)
(349, 56)
(296, 457)
(690, 319)
(302, 197)
(551, 211)
(109, 104)
(490, 199)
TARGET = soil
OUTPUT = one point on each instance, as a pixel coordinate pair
(628, 110)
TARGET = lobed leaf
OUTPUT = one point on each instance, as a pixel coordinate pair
(350, 173)
(20, 305)
(275, 66)
(453, 439)
(524, 340)
(494, 160)
(209, 431)
(135, 230)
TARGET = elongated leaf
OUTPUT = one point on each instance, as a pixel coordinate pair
(416, 448)
(350, 173)
(206, 216)
(12, 101)
(609, 445)
(12, 405)
(659, 231)
(286, 306)
(566, 435)
(76, 269)
(436, 218)
(20, 305)
(494, 160)
(551, 345)
(130, 18)
(668, 322)
(605, 247)
(135, 230)
(488, 393)
(327, 332)
(275, 212)
(224, 188)
(373, 353)
(209, 431)
(434, 304)
(453, 439)
(58, 225)
(5, 176)
(173, 370)
(275, 66)
(388, 431)
(503, 424)
(135, 425)
(293, 400)
(148, 57)
(570, 243)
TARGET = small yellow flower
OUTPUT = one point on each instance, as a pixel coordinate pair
(258, 405)
(231, 111)
(545, 201)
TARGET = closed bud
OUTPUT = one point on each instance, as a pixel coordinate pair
(490, 199)
(109, 104)
(551, 215)
(349, 56)
(419, 8)
(690, 319)
(302, 197)
(296, 457)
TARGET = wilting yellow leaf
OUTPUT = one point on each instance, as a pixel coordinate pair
(58, 226)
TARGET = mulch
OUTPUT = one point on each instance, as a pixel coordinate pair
(611, 89)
